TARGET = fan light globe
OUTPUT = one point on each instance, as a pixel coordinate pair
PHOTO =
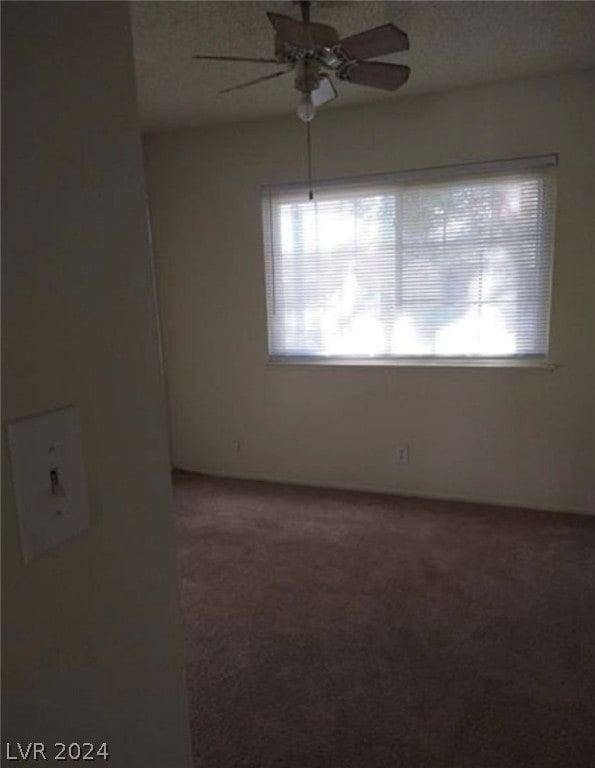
(305, 108)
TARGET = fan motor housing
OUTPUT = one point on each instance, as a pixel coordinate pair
(307, 76)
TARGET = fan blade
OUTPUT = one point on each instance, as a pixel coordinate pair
(377, 74)
(254, 82)
(303, 34)
(324, 93)
(236, 58)
(289, 30)
(375, 42)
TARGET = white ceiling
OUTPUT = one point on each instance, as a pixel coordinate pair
(453, 44)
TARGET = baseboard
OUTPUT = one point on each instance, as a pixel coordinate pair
(414, 493)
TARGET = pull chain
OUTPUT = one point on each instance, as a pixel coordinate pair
(311, 194)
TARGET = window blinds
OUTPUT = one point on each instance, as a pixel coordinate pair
(440, 263)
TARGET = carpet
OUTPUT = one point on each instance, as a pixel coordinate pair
(336, 629)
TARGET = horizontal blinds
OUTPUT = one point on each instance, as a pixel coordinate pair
(439, 263)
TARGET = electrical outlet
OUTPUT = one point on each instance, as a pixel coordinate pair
(403, 454)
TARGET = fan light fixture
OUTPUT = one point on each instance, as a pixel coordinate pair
(306, 109)
(308, 47)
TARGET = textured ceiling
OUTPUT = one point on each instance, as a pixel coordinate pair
(453, 44)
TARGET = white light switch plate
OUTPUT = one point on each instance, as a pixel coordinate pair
(49, 479)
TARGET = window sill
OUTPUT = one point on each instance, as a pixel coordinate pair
(341, 362)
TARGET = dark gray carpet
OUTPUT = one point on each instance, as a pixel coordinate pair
(332, 629)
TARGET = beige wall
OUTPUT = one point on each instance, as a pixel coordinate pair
(505, 435)
(91, 633)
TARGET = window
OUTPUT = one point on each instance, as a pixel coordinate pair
(441, 264)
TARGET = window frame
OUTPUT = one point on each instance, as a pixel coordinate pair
(430, 175)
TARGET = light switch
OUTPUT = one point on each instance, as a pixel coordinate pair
(49, 479)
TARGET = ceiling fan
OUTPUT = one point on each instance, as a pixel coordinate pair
(308, 47)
